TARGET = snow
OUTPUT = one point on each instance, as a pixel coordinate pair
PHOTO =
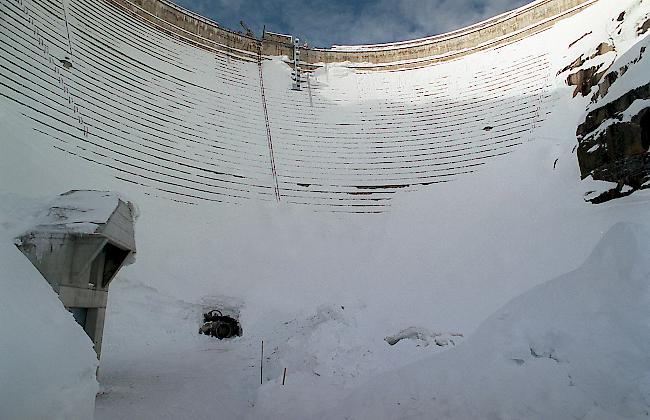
(634, 76)
(77, 211)
(550, 353)
(48, 364)
(622, 36)
(47, 368)
(424, 336)
(325, 290)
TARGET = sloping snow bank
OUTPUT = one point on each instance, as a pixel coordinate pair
(575, 347)
(47, 363)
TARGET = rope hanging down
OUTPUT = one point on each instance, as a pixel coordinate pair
(268, 127)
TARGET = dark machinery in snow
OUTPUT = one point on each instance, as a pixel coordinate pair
(219, 325)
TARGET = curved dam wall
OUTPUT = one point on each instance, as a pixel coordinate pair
(195, 125)
(506, 28)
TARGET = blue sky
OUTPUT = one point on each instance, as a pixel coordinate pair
(323, 23)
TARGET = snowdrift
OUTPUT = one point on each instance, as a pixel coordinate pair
(47, 362)
(574, 347)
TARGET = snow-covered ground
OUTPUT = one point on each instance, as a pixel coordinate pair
(470, 262)
(47, 362)
(574, 347)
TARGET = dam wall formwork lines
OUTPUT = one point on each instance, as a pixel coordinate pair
(170, 102)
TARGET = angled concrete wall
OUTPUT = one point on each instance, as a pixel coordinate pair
(79, 263)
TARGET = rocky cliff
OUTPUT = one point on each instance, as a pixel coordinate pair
(614, 139)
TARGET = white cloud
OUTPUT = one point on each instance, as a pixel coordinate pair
(323, 23)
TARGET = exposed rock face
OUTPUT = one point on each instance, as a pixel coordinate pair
(585, 79)
(580, 39)
(613, 145)
(611, 77)
(614, 139)
(644, 27)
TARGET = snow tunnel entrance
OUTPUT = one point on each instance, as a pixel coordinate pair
(221, 326)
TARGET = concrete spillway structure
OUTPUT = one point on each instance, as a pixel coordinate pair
(188, 111)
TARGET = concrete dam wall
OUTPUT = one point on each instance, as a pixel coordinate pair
(190, 112)
(500, 30)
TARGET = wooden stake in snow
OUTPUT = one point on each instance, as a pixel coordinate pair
(262, 365)
(284, 376)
